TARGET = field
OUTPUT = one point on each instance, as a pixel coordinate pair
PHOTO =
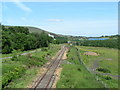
(74, 73)
(18, 72)
(104, 65)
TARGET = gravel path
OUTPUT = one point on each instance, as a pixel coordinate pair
(19, 54)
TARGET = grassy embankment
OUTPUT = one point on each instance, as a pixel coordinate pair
(18, 72)
(106, 62)
(75, 75)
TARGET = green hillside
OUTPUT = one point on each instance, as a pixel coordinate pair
(35, 30)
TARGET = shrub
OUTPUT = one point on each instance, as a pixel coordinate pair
(11, 75)
(107, 77)
(14, 58)
(44, 49)
(104, 70)
(79, 69)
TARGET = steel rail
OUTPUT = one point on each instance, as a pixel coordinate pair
(56, 59)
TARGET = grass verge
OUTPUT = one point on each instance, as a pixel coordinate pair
(75, 75)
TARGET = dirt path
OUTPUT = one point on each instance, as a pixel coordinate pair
(96, 65)
(108, 74)
(19, 54)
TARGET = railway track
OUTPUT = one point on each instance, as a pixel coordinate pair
(46, 80)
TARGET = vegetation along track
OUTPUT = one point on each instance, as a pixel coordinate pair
(47, 77)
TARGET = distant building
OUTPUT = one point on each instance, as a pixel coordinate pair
(51, 36)
(70, 43)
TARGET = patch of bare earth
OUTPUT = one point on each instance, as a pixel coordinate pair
(109, 59)
(65, 54)
(91, 53)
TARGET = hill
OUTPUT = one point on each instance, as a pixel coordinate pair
(70, 37)
(39, 30)
(35, 30)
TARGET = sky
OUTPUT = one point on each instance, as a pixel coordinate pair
(67, 18)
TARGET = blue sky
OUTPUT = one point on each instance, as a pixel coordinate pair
(68, 18)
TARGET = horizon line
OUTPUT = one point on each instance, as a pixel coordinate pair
(60, 34)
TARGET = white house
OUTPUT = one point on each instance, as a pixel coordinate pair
(51, 36)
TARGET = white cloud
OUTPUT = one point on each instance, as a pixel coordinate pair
(22, 6)
(54, 20)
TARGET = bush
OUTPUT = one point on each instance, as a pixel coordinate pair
(107, 77)
(104, 70)
(14, 58)
(79, 69)
(11, 75)
(44, 49)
